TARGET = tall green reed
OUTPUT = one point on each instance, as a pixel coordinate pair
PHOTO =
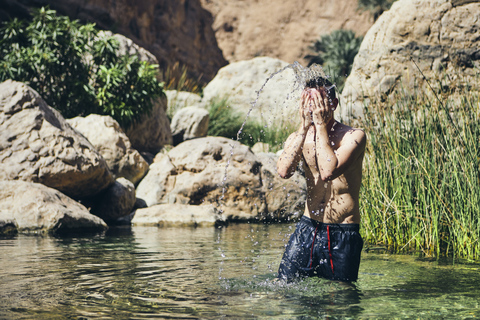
(421, 188)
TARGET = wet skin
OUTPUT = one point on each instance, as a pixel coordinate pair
(332, 154)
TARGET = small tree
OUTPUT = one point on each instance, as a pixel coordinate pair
(336, 52)
(75, 70)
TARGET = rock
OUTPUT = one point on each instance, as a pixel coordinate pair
(152, 131)
(113, 144)
(285, 197)
(260, 147)
(36, 208)
(38, 145)
(173, 30)
(8, 225)
(116, 202)
(196, 173)
(280, 29)
(177, 215)
(128, 47)
(438, 37)
(265, 87)
(181, 99)
(189, 123)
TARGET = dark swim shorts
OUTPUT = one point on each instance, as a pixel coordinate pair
(325, 250)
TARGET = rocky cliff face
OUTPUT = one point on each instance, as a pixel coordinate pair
(280, 29)
(173, 30)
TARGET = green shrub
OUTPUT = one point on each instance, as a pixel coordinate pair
(375, 7)
(75, 70)
(336, 52)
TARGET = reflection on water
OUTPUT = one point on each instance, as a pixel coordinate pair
(207, 273)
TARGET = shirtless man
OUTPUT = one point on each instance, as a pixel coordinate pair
(326, 241)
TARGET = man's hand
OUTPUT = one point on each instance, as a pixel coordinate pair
(306, 107)
(322, 110)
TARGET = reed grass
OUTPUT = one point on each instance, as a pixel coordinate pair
(421, 186)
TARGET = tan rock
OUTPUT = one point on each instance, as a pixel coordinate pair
(265, 89)
(285, 197)
(116, 202)
(280, 29)
(36, 208)
(177, 215)
(206, 171)
(113, 144)
(38, 145)
(189, 123)
(152, 131)
(437, 39)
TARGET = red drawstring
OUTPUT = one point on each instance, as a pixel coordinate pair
(329, 248)
(311, 250)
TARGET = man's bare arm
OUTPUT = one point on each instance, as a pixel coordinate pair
(330, 163)
(351, 148)
(293, 148)
(291, 155)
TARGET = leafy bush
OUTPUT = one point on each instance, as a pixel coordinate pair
(336, 52)
(75, 70)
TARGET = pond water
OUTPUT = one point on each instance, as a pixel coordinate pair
(209, 273)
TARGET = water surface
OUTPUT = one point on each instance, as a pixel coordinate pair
(208, 273)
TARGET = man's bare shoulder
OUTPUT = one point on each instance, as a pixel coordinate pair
(349, 134)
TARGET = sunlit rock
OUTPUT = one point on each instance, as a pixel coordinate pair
(207, 171)
(111, 142)
(414, 40)
(252, 88)
(189, 123)
(285, 197)
(177, 215)
(38, 145)
(181, 99)
(34, 207)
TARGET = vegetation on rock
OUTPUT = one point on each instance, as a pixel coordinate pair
(335, 52)
(375, 7)
(77, 71)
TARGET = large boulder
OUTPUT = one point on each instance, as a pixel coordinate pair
(113, 144)
(285, 197)
(38, 145)
(414, 40)
(265, 89)
(33, 207)
(206, 171)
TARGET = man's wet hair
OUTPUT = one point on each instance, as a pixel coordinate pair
(319, 82)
